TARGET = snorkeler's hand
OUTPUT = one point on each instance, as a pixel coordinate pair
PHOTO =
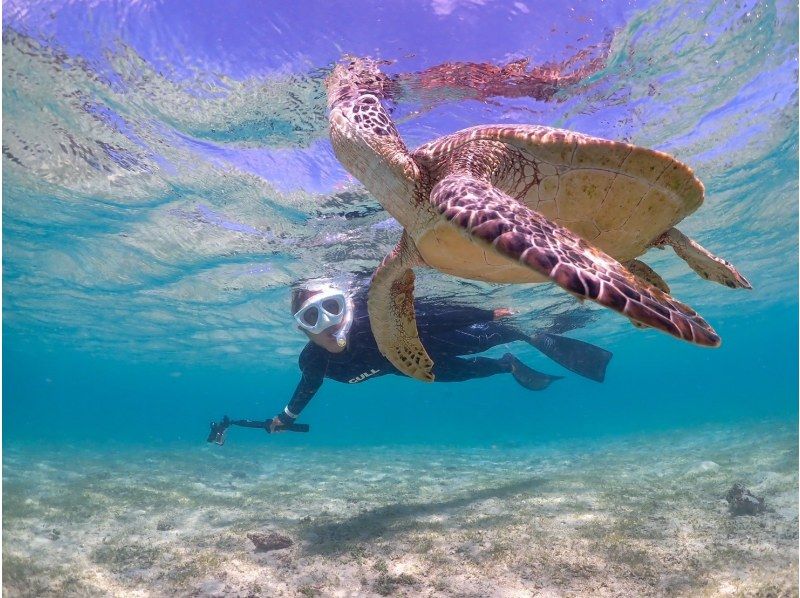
(502, 312)
(276, 425)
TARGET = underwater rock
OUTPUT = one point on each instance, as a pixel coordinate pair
(743, 502)
(165, 525)
(54, 534)
(213, 587)
(265, 541)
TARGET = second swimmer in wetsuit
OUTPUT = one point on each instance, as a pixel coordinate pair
(343, 348)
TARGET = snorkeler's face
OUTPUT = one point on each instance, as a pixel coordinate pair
(326, 339)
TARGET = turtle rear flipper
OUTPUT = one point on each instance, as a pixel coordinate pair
(391, 312)
(647, 274)
(515, 231)
(702, 261)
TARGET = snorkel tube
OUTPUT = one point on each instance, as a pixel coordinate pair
(344, 327)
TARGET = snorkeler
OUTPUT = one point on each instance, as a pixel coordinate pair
(342, 347)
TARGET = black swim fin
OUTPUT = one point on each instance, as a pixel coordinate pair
(528, 377)
(580, 357)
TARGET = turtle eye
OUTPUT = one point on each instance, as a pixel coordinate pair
(310, 316)
(332, 307)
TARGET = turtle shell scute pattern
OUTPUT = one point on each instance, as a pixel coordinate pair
(618, 196)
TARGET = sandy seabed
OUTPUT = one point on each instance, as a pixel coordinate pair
(631, 516)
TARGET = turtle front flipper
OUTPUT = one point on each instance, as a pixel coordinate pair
(391, 311)
(510, 228)
(702, 261)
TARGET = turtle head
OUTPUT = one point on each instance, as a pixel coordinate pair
(355, 77)
(364, 137)
(359, 121)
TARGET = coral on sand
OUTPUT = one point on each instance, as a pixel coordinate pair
(743, 502)
(266, 541)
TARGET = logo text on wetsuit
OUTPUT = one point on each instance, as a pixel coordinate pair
(362, 377)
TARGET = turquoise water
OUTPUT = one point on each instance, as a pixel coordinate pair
(167, 177)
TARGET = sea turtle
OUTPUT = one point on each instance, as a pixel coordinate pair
(517, 204)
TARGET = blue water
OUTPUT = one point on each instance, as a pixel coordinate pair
(653, 383)
(167, 177)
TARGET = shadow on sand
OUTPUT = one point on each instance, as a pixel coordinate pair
(332, 537)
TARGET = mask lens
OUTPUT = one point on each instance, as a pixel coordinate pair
(310, 316)
(332, 306)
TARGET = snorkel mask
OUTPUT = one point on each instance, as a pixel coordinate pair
(330, 307)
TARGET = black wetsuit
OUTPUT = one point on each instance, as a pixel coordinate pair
(447, 331)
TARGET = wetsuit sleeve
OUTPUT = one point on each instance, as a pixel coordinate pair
(448, 316)
(313, 363)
